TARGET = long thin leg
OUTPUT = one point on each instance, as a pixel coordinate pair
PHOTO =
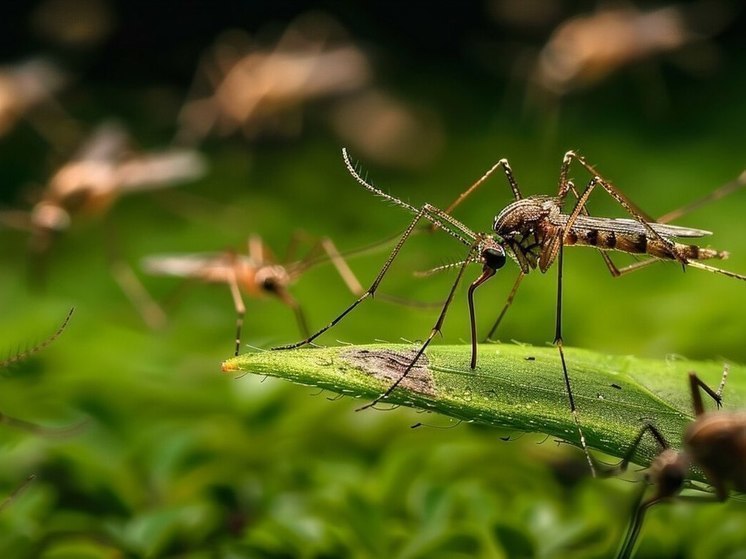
(635, 525)
(632, 210)
(565, 185)
(614, 192)
(716, 194)
(695, 384)
(558, 342)
(17, 491)
(150, 311)
(341, 266)
(640, 507)
(507, 304)
(21, 355)
(435, 330)
(647, 428)
(613, 270)
(238, 304)
(371, 290)
(469, 191)
(255, 246)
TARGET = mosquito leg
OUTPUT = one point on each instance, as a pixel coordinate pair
(613, 270)
(507, 304)
(17, 491)
(21, 355)
(255, 247)
(616, 194)
(150, 311)
(647, 428)
(239, 305)
(342, 268)
(469, 191)
(372, 289)
(696, 383)
(435, 330)
(635, 525)
(558, 342)
(716, 194)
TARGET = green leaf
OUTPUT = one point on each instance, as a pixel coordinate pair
(514, 386)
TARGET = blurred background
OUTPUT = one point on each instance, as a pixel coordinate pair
(132, 130)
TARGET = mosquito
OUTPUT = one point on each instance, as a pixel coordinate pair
(251, 87)
(533, 232)
(715, 442)
(585, 49)
(257, 273)
(26, 86)
(104, 168)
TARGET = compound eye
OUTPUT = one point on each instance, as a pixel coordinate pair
(269, 284)
(494, 257)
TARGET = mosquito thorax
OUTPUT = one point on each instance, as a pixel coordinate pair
(522, 216)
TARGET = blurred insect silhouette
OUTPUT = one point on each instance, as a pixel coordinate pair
(257, 273)
(27, 425)
(252, 88)
(533, 232)
(104, 169)
(25, 87)
(586, 49)
(714, 442)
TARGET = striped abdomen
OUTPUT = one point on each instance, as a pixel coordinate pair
(639, 243)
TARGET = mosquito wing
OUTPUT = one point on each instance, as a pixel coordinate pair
(160, 170)
(199, 265)
(630, 226)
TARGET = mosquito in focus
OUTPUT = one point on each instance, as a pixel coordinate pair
(533, 231)
(715, 442)
(257, 273)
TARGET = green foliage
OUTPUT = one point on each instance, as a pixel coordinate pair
(515, 387)
(177, 460)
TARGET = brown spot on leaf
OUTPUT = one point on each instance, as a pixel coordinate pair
(389, 366)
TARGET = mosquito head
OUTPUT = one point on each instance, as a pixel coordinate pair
(272, 279)
(668, 472)
(50, 217)
(493, 256)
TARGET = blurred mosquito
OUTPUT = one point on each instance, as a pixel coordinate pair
(715, 442)
(251, 88)
(258, 273)
(585, 49)
(104, 169)
(26, 86)
(533, 232)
